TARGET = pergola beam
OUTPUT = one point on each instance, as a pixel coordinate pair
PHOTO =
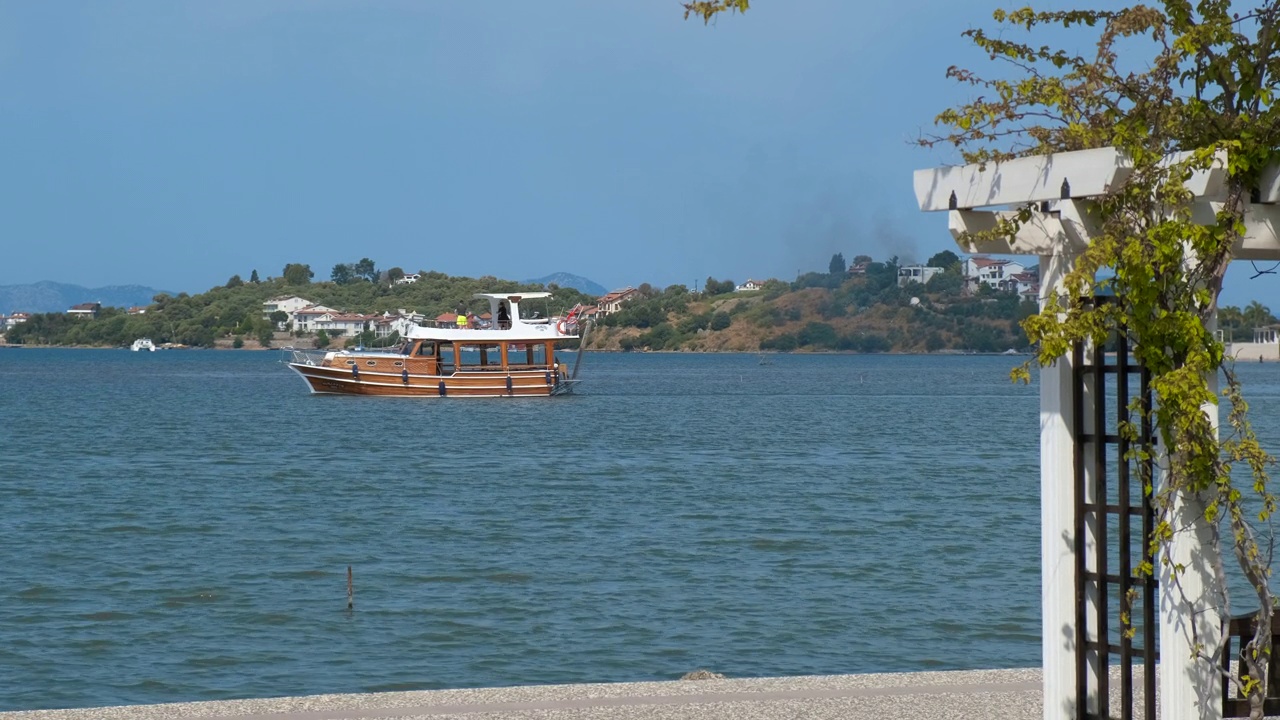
(1070, 227)
(1084, 173)
(1067, 227)
(1060, 176)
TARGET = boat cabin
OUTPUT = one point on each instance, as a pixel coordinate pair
(442, 357)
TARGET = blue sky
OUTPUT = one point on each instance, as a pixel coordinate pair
(174, 144)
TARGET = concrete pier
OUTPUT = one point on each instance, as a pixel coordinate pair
(977, 694)
(1254, 352)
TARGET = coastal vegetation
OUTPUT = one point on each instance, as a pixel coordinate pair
(235, 310)
(823, 311)
(836, 310)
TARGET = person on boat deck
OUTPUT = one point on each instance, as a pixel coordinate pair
(504, 317)
(462, 320)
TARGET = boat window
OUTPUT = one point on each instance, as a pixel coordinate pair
(446, 356)
(532, 311)
(427, 348)
(527, 355)
(371, 363)
(399, 363)
(475, 356)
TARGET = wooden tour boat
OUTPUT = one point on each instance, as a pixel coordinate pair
(514, 357)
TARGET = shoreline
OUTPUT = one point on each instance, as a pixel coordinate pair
(771, 353)
(1012, 694)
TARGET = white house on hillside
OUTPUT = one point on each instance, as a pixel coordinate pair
(750, 285)
(336, 323)
(612, 302)
(1025, 283)
(304, 319)
(998, 274)
(399, 322)
(288, 304)
(85, 310)
(409, 279)
(916, 273)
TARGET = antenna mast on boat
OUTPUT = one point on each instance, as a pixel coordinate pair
(582, 347)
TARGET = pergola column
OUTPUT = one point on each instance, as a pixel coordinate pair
(1190, 623)
(1057, 515)
(1189, 688)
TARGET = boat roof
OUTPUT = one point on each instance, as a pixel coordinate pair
(518, 295)
(519, 333)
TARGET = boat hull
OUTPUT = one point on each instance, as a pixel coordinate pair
(341, 381)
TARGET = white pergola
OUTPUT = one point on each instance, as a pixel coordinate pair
(1062, 186)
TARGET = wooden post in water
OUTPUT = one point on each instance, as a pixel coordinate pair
(351, 603)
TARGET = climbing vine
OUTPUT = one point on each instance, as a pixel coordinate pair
(707, 9)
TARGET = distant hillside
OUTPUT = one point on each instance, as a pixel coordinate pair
(49, 296)
(577, 282)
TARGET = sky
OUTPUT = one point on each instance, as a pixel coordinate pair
(174, 144)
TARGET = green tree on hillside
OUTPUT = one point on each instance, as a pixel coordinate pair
(297, 274)
(365, 269)
(234, 282)
(718, 287)
(253, 277)
(950, 284)
(342, 274)
(946, 260)
(837, 266)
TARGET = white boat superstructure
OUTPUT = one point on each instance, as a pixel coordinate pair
(143, 345)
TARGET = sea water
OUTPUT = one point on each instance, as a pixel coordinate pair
(178, 525)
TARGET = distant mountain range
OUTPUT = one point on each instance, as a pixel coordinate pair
(577, 282)
(49, 296)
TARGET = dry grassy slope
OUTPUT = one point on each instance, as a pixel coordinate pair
(902, 326)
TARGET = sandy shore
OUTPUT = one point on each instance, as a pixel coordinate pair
(979, 694)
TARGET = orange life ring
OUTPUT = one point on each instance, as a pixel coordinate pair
(560, 327)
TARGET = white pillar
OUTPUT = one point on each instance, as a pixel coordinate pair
(1057, 517)
(1190, 688)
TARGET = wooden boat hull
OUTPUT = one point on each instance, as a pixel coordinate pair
(517, 383)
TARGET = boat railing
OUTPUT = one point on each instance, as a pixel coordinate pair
(302, 357)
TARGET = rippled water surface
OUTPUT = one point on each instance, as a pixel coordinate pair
(177, 525)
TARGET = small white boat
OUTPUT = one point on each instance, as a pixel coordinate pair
(143, 344)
